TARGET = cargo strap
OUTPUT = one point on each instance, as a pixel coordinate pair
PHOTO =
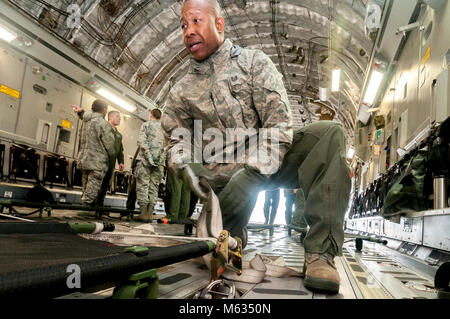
(210, 225)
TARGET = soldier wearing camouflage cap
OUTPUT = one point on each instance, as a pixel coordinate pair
(232, 87)
(149, 165)
(96, 148)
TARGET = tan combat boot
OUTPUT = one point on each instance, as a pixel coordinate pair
(321, 273)
(144, 216)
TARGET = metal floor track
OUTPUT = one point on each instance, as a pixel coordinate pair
(377, 272)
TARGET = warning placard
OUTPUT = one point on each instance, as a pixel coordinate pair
(65, 124)
(8, 91)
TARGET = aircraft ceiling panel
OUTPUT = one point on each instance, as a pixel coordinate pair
(140, 42)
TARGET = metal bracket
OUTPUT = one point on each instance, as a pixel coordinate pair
(224, 258)
(142, 285)
(218, 289)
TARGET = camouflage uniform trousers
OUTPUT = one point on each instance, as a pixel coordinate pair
(92, 182)
(147, 183)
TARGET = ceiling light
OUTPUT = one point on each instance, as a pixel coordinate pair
(116, 100)
(6, 35)
(323, 94)
(372, 89)
(350, 152)
(336, 80)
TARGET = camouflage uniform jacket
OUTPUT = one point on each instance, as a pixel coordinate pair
(151, 144)
(96, 143)
(233, 88)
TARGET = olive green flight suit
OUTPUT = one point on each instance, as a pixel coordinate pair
(295, 216)
(179, 197)
(272, 198)
(317, 164)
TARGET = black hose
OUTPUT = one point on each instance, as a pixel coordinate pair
(49, 282)
(34, 228)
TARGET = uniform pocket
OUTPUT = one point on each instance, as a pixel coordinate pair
(241, 100)
(239, 88)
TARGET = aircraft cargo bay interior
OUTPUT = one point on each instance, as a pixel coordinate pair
(224, 149)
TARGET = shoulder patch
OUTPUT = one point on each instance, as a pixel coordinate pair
(244, 60)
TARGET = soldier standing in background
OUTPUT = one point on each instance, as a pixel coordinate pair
(149, 165)
(179, 197)
(96, 148)
(272, 198)
(295, 216)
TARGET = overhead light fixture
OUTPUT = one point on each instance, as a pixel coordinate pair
(335, 80)
(323, 93)
(350, 153)
(6, 35)
(116, 100)
(372, 88)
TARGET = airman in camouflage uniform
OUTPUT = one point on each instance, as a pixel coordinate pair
(231, 87)
(96, 147)
(149, 165)
(113, 119)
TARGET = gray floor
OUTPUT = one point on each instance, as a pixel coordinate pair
(378, 272)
